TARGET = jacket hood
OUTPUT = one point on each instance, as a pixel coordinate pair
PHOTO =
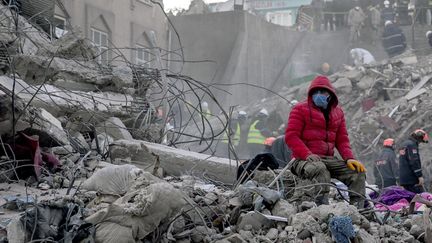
(322, 82)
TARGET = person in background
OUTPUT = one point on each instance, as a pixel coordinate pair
(281, 151)
(315, 128)
(375, 21)
(258, 132)
(361, 57)
(268, 144)
(386, 170)
(394, 41)
(233, 134)
(410, 169)
(328, 15)
(387, 13)
(356, 19)
(206, 110)
(325, 69)
(429, 37)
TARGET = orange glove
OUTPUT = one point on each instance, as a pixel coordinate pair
(356, 165)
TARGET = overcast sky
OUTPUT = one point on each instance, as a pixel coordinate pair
(169, 4)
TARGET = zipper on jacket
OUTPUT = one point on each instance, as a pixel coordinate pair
(328, 147)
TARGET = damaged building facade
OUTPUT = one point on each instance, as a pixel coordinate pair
(132, 28)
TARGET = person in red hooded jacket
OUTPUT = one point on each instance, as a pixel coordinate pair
(315, 128)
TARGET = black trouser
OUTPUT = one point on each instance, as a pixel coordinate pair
(414, 188)
(386, 183)
(328, 21)
(340, 20)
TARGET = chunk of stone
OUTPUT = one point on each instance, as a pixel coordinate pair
(284, 209)
(115, 128)
(416, 231)
(210, 198)
(247, 235)
(272, 234)
(256, 220)
(365, 82)
(235, 238)
(343, 85)
(364, 237)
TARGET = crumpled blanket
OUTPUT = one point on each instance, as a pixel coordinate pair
(403, 203)
(394, 194)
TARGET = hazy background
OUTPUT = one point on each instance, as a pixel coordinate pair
(175, 4)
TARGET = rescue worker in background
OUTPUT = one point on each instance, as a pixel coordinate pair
(315, 128)
(387, 13)
(205, 109)
(325, 69)
(361, 56)
(394, 41)
(233, 133)
(268, 143)
(375, 22)
(410, 171)
(429, 37)
(258, 132)
(356, 19)
(386, 170)
(281, 151)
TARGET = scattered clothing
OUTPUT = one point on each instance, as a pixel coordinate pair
(342, 229)
(361, 56)
(393, 194)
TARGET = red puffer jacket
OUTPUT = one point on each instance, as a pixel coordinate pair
(308, 132)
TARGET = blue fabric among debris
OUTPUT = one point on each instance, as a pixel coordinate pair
(341, 228)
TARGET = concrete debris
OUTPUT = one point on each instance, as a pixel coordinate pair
(72, 45)
(115, 128)
(78, 122)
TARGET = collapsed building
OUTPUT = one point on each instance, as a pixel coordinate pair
(81, 158)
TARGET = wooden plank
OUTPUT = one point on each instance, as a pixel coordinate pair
(414, 91)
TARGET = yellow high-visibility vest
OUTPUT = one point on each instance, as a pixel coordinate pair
(254, 135)
(207, 113)
(236, 139)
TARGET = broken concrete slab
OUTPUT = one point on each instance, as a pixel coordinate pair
(284, 209)
(122, 76)
(343, 85)
(72, 45)
(59, 101)
(365, 82)
(253, 220)
(115, 128)
(173, 161)
(42, 120)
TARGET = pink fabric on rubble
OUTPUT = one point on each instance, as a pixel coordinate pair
(403, 203)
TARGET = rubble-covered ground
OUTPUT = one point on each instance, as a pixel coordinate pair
(72, 168)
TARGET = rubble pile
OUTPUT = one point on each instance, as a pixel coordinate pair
(384, 100)
(71, 169)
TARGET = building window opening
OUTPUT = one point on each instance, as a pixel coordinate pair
(100, 40)
(59, 26)
(144, 57)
